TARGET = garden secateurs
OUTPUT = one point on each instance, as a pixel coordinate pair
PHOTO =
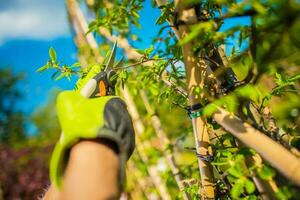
(101, 83)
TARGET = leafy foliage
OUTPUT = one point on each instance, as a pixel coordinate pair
(61, 71)
(265, 90)
(11, 119)
(269, 51)
(23, 160)
(116, 17)
(24, 171)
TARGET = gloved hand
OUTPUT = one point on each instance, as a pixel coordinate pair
(82, 118)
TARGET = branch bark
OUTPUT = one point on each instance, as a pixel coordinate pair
(266, 188)
(279, 157)
(196, 70)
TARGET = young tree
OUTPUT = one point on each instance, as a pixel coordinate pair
(243, 105)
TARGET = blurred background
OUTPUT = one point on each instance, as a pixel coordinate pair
(28, 124)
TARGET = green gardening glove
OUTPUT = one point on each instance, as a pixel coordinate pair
(82, 118)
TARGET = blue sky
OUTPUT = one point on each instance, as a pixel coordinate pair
(30, 27)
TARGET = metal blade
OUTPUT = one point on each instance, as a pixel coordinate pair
(111, 60)
(121, 61)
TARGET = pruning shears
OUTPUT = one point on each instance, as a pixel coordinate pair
(103, 83)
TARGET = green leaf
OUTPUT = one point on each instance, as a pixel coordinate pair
(135, 14)
(68, 77)
(294, 77)
(133, 37)
(284, 193)
(209, 109)
(197, 90)
(246, 151)
(240, 39)
(226, 153)
(231, 103)
(123, 75)
(250, 197)
(93, 23)
(60, 76)
(237, 189)
(43, 68)
(77, 64)
(249, 92)
(54, 75)
(259, 7)
(154, 89)
(140, 51)
(266, 172)
(233, 50)
(234, 171)
(250, 187)
(278, 79)
(114, 77)
(52, 54)
(149, 50)
(202, 28)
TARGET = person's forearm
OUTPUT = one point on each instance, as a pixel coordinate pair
(91, 173)
(51, 194)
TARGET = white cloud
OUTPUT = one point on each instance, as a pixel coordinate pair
(32, 19)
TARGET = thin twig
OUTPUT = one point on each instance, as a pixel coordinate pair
(144, 61)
